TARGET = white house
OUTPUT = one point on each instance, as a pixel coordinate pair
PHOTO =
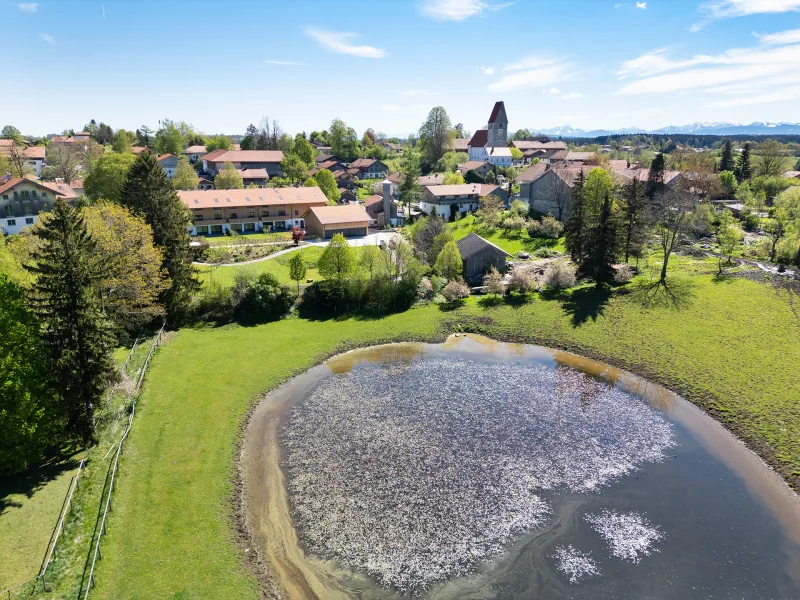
(23, 200)
(496, 155)
(440, 198)
(168, 162)
(34, 155)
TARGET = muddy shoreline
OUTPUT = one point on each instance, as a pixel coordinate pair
(271, 547)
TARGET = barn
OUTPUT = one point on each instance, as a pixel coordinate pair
(351, 220)
(479, 255)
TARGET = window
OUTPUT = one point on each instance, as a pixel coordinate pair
(5, 196)
(296, 213)
(250, 214)
(217, 214)
(233, 215)
(28, 220)
(12, 222)
(44, 194)
(9, 211)
(281, 213)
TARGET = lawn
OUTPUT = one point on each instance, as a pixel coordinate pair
(248, 238)
(278, 266)
(730, 345)
(510, 241)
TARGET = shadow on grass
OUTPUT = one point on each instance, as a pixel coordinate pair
(451, 306)
(29, 482)
(490, 301)
(674, 293)
(587, 303)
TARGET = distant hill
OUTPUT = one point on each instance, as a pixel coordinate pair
(756, 128)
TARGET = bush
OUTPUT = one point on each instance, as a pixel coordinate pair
(493, 282)
(623, 274)
(198, 248)
(518, 208)
(455, 290)
(425, 290)
(548, 227)
(438, 284)
(261, 299)
(546, 253)
(213, 303)
(521, 281)
(514, 223)
(560, 275)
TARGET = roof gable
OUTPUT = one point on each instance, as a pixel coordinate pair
(498, 108)
(479, 138)
(473, 244)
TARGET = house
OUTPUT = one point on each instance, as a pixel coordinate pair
(34, 155)
(444, 200)
(376, 207)
(579, 157)
(344, 179)
(326, 221)
(490, 189)
(496, 155)
(77, 186)
(460, 145)
(480, 255)
(138, 149)
(205, 184)
(489, 145)
(168, 162)
(22, 200)
(540, 144)
(481, 168)
(256, 177)
(248, 210)
(791, 174)
(244, 159)
(370, 168)
(428, 180)
(347, 196)
(392, 147)
(332, 165)
(193, 153)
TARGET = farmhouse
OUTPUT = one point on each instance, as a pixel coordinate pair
(326, 221)
(369, 168)
(193, 153)
(168, 162)
(23, 200)
(481, 167)
(244, 159)
(479, 255)
(446, 199)
(248, 210)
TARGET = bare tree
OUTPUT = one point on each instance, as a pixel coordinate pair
(18, 161)
(269, 136)
(669, 215)
(63, 161)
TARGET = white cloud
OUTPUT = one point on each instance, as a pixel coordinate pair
(457, 10)
(571, 96)
(337, 41)
(695, 27)
(617, 5)
(48, 38)
(487, 70)
(720, 9)
(530, 72)
(766, 72)
(28, 7)
(286, 63)
(555, 91)
(642, 5)
(414, 92)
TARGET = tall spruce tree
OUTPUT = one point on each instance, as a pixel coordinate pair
(75, 334)
(655, 179)
(744, 170)
(147, 191)
(575, 227)
(726, 161)
(602, 246)
(634, 222)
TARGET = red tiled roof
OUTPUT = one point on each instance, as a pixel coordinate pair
(251, 197)
(240, 156)
(334, 215)
(61, 189)
(370, 200)
(163, 156)
(479, 138)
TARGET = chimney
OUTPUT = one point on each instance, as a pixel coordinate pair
(387, 202)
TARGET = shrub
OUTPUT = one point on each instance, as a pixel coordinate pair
(261, 299)
(546, 253)
(521, 281)
(514, 223)
(518, 208)
(212, 303)
(548, 227)
(438, 284)
(455, 290)
(425, 289)
(560, 275)
(198, 248)
(493, 282)
(623, 274)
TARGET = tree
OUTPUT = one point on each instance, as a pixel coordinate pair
(489, 210)
(598, 185)
(228, 178)
(18, 161)
(295, 169)
(669, 214)
(516, 154)
(310, 182)
(74, 332)
(103, 134)
(327, 183)
(771, 158)
(297, 269)
(575, 227)
(185, 177)
(131, 279)
(493, 282)
(521, 281)
(149, 193)
(409, 186)
(449, 161)
(729, 236)
(603, 244)
(169, 139)
(338, 260)
(449, 264)
(269, 136)
(454, 178)
(304, 151)
(786, 219)
(218, 142)
(743, 169)
(425, 233)
(726, 161)
(10, 132)
(438, 243)
(144, 135)
(122, 142)
(371, 259)
(259, 299)
(435, 135)
(655, 178)
(727, 180)
(343, 139)
(634, 222)
(62, 162)
(107, 176)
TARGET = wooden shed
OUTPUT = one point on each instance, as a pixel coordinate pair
(479, 255)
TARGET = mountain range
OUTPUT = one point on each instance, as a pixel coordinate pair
(756, 128)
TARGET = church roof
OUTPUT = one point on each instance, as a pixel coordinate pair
(496, 111)
(479, 138)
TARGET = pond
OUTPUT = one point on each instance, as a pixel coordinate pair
(478, 469)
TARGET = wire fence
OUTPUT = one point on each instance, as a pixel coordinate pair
(100, 527)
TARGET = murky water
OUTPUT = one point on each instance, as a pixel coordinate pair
(476, 469)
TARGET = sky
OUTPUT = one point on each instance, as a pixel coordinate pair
(384, 64)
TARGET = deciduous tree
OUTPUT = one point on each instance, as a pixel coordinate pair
(297, 269)
(295, 169)
(771, 158)
(338, 260)
(185, 176)
(63, 162)
(327, 183)
(228, 178)
(122, 142)
(435, 135)
(669, 214)
(218, 142)
(449, 264)
(107, 176)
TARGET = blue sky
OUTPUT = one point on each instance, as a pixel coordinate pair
(384, 64)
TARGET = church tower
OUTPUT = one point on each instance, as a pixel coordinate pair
(498, 126)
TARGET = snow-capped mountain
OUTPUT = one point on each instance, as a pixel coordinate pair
(757, 128)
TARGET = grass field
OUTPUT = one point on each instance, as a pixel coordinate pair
(248, 238)
(511, 242)
(278, 266)
(730, 345)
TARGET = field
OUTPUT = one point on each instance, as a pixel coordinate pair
(729, 345)
(248, 238)
(510, 241)
(279, 266)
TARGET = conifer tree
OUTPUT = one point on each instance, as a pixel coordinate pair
(726, 161)
(603, 243)
(655, 179)
(634, 222)
(574, 229)
(148, 192)
(75, 334)
(744, 171)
